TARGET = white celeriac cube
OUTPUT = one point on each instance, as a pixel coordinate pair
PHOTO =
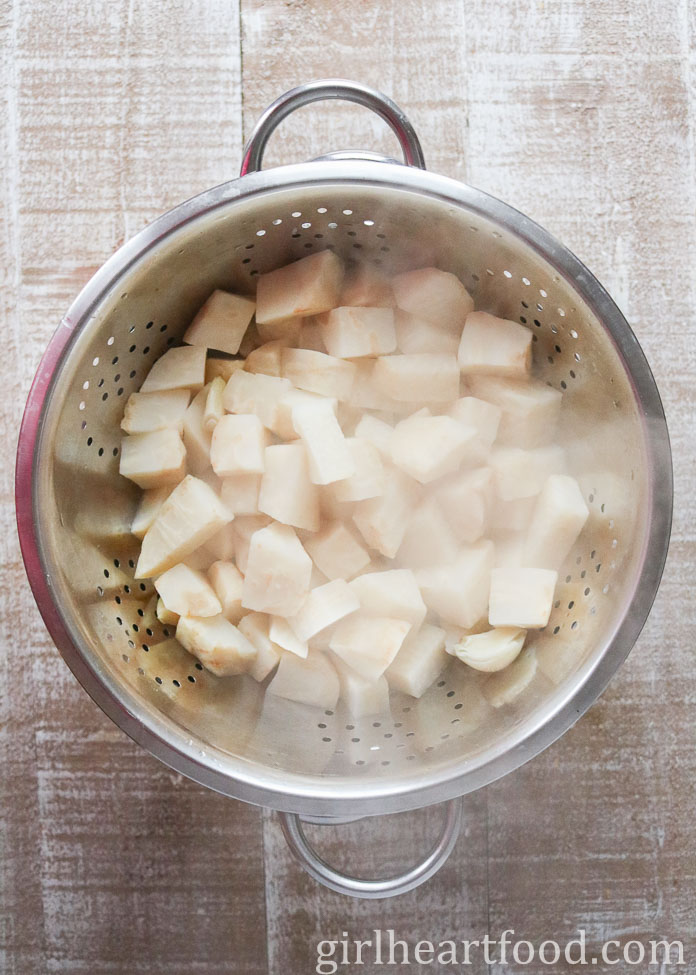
(492, 346)
(288, 331)
(189, 517)
(283, 635)
(428, 447)
(227, 582)
(429, 539)
(530, 410)
(463, 498)
(165, 616)
(558, 518)
(509, 550)
(245, 527)
(424, 377)
(238, 445)
(362, 697)
(419, 662)
(252, 392)
(329, 456)
(187, 592)
(367, 481)
(287, 493)
(153, 459)
(222, 545)
(216, 366)
(221, 322)
(393, 592)
(364, 394)
(435, 295)
(522, 473)
(178, 368)
(217, 643)
(214, 408)
(336, 552)
(324, 605)
(420, 335)
(196, 435)
(313, 681)
(283, 426)
(240, 493)
(149, 505)
(366, 287)
(266, 358)
(255, 628)
(145, 412)
(459, 592)
(312, 334)
(382, 521)
(492, 650)
(368, 644)
(306, 287)
(318, 372)
(483, 417)
(509, 516)
(504, 687)
(377, 432)
(353, 332)
(521, 597)
(278, 572)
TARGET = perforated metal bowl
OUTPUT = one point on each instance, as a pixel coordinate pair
(74, 509)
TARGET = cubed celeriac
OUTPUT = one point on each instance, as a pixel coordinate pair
(382, 521)
(361, 697)
(377, 432)
(238, 445)
(287, 493)
(245, 527)
(336, 552)
(240, 493)
(428, 447)
(558, 517)
(429, 539)
(521, 597)
(368, 644)
(522, 473)
(145, 412)
(255, 627)
(483, 417)
(436, 295)
(421, 659)
(367, 480)
(287, 331)
(283, 426)
(178, 368)
(530, 410)
(282, 634)
(221, 322)
(150, 503)
(312, 681)
(328, 453)
(509, 516)
(214, 408)
(226, 580)
(306, 287)
(420, 335)
(459, 591)
(217, 643)
(324, 605)
(196, 435)
(223, 544)
(463, 499)
(424, 377)
(492, 346)
(393, 592)
(266, 358)
(353, 332)
(312, 334)
(366, 287)
(153, 459)
(492, 650)
(189, 517)
(318, 372)
(166, 616)
(187, 592)
(278, 572)
(364, 394)
(224, 368)
(251, 392)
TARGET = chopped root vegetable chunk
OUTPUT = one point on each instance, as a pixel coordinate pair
(255, 628)
(368, 644)
(217, 643)
(428, 447)
(362, 697)
(312, 681)
(436, 295)
(307, 287)
(187, 592)
(493, 346)
(278, 572)
(287, 493)
(227, 582)
(221, 322)
(317, 372)
(179, 368)
(558, 518)
(145, 412)
(153, 459)
(323, 606)
(425, 377)
(353, 332)
(238, 446)
(419, 662)
(521, 597)
(330, 458)
(336, 552)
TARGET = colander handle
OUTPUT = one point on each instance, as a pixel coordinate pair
(343, 883)
(332, 88)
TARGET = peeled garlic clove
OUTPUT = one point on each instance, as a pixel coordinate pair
(491, 651)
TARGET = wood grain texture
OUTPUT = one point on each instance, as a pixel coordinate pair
(581, 114)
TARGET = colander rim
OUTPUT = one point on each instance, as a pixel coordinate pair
(264, 785)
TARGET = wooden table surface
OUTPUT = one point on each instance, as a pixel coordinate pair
(581, 113)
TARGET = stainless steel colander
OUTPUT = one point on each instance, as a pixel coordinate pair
(74, 509)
